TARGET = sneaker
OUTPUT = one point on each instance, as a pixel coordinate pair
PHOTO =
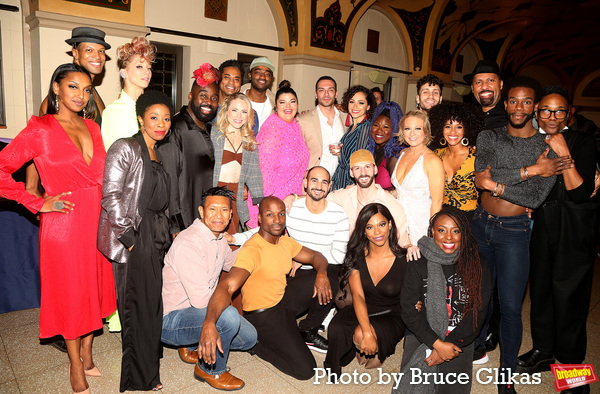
(480, 356)
(314, 341)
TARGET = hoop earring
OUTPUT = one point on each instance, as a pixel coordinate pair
(465, 141)
(443, 142)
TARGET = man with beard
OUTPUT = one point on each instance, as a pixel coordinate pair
(366, 191)
(323, 126)
(259, 93)
(190, 135)
(429, 92)
(260, 271)
(515, 170)
(562, 246)
(486, 82)
(320, 225)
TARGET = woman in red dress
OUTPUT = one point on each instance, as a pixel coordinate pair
(77, 282)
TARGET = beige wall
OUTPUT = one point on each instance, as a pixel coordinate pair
(48, 32)
(392, 54)
(303, 75)
(247, 20)
(470, 59)
(13, 78)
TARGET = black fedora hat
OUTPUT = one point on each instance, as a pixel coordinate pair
(485, 67)
(87, 34)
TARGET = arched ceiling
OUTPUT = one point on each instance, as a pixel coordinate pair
(561, 35)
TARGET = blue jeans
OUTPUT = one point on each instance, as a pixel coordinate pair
(504, 242)
(184, 326)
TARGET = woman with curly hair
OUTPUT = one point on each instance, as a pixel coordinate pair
(455, 128)
(374, 269)
(135, 233)
(236, 156)
(417, 176)
(357, 102)
(135, 69)
(444, 301)
(382, 141)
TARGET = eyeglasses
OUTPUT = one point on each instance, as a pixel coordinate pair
(547, 113)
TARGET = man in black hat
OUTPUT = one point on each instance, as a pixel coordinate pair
(88, 51)
(486, 84)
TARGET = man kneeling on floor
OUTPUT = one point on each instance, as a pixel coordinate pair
(260, 271)
(190, 275)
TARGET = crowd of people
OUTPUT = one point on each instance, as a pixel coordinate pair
(375, 225)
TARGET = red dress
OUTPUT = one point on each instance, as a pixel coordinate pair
(76, 279)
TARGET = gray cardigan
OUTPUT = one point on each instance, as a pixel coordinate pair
(250, 174)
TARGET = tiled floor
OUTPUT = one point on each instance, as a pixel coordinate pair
(28, 367)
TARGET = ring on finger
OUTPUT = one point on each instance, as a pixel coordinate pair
(58, 205)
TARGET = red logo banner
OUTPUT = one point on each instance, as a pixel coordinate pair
(567, 376)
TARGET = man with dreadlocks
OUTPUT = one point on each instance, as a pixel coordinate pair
(444, 301)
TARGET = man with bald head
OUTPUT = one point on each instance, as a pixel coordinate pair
(260, 271)
(322, 226)
(190, 135)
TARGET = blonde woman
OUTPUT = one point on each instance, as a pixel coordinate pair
(236, 156)
(418, 176)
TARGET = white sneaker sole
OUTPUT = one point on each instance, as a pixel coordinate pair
(316, 349)
(482, 360)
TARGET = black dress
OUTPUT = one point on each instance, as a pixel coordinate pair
(383, 305)
(140, 291)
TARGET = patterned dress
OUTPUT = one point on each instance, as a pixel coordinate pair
(461, 192)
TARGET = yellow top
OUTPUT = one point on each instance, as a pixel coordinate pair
(268, 265)
(460, 192)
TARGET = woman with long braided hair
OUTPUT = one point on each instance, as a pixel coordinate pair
(443, 302)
